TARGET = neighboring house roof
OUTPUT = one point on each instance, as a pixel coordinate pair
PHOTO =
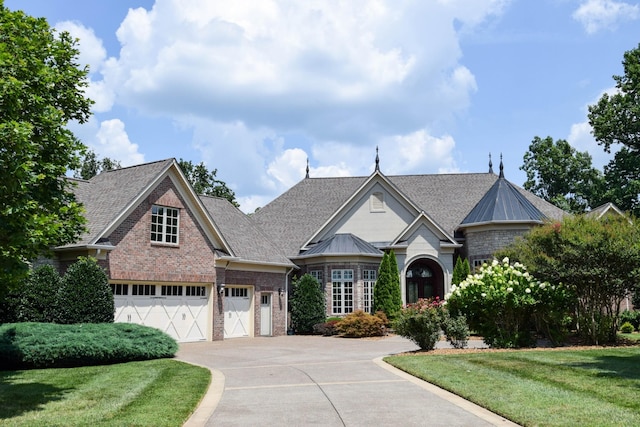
(503, 203)
(246, 239)
(607, 208)
(291, 219)
(342, 244)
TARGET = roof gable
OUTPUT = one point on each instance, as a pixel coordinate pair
(110, 197)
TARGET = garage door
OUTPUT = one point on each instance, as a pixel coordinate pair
(179, 310)
(237, 312)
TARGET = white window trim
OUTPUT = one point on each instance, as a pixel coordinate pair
(341, 281)
(164, 218)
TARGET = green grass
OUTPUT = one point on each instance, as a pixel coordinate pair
(596, 387)
(160, 392)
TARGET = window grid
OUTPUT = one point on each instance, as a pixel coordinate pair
(164, 224)
(119, 289)
(143, 289)
(342, 291)
(317, 274)
(171, 290)
(236, 292)
(369, 281)
(195, 291)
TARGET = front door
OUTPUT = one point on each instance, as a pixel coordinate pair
(423, 280)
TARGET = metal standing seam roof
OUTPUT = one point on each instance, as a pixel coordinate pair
(343, 244)
(503, 203)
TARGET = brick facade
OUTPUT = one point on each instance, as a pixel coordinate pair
(137, 258)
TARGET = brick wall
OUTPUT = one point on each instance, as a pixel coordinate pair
(483, 244)
(137, 258)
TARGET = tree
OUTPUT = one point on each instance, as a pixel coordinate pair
(386, 293)
(90, 166)
(41, 90)
(307, 304)
(560, 174)
(460, 271)
(615, 119)
(205, 182)
(596, 259)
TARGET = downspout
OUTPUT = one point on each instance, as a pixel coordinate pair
(286, 303)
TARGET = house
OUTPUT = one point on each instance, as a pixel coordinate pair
(194, 267)
(200, 269)
(337, 229)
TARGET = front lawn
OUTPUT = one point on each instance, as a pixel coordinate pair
(565, 387)
(159, 392)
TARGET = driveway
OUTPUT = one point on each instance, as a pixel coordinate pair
(323, 381)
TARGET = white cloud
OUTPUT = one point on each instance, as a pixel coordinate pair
(93, 54)
(596, 15)
(419, 152)
(112, 141)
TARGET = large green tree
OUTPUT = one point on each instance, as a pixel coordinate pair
(91, 165)
(560, 174)
(41, 90)
(597, 259)
(615, 120)
(205, 182)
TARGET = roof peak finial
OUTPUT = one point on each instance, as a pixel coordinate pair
(377, 159)
(307, 175)
(490, 164)
(501, 167)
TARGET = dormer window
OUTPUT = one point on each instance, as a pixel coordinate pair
(377, 202)
(164, 224)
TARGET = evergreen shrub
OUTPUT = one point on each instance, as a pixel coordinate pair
(307, 305)
(49, 345)
(627, 328)
(85, 295)
(38, 297)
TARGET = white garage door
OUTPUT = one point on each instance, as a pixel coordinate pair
(237, 312)
(179, 310)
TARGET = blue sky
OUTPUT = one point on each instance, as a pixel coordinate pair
(254, 88)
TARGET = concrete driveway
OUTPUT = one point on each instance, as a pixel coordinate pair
(323, 381)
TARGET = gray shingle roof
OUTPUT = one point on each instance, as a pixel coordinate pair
(503, 203)
(343, 244)
(108, 194)
(291, 219)
(246, 239)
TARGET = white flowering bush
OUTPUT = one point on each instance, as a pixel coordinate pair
(509, 307)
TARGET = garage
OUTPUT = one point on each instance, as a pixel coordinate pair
(238, 311)
(179, 310)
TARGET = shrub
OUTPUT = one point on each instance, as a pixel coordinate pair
(421, 323)
(327, 328)
(307, 305)
(505, 304)
(382, 316)
(48, 345)
(460, 271)
(85, 295)
(456, 330)
(37, 301)
(627, 328)
(632, 317)
(360, 324)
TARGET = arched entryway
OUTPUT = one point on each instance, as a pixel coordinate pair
(424, 279)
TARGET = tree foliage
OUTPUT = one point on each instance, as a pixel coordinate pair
(561, 175)
(91, 166)
(205, 182)
(41, 90)
(307, 304)
(460, 271)
(598, 260)
(387, 296)
(85, 295)
(38, 296)
(615, 120)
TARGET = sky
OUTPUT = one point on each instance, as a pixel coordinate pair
(255, 89)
